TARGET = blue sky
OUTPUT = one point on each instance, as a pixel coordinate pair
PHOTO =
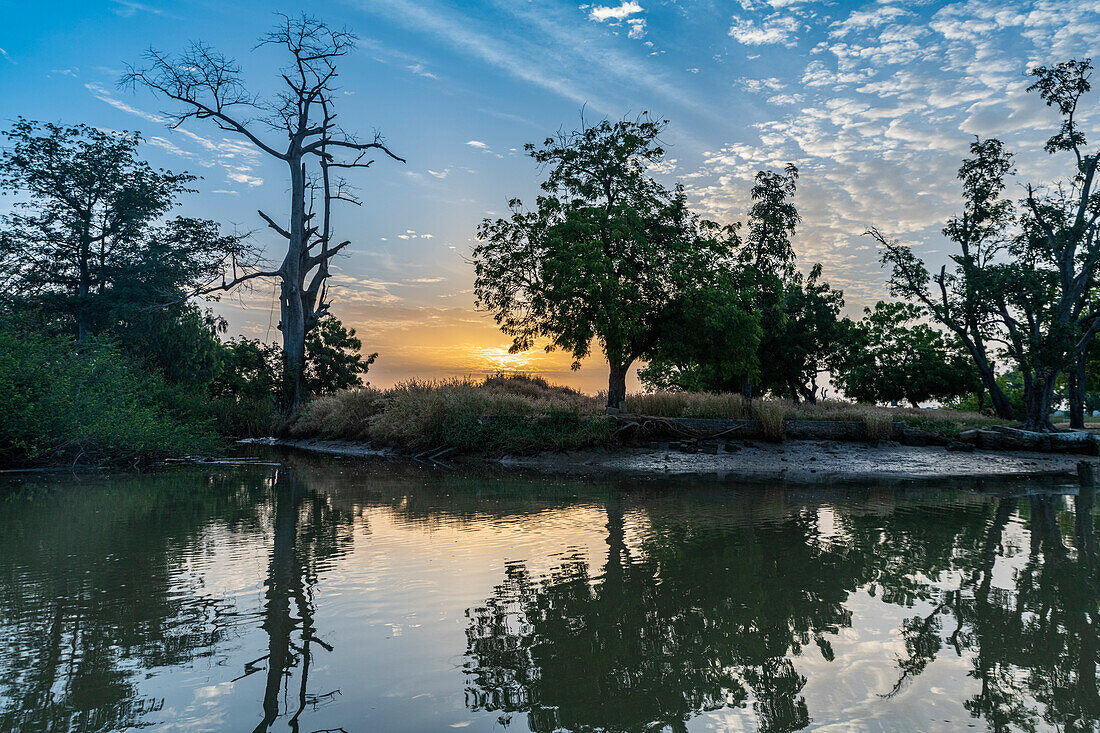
(874, 102)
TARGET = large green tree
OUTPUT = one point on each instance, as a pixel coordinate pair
(82, 237)
(892, 356)
(603, 255)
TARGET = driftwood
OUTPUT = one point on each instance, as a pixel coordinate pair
(1005, 438)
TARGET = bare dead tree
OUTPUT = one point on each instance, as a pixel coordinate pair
(206, 85)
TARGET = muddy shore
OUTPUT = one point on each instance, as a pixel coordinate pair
(802, 461)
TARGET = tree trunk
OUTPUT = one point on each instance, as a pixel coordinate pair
(83, 290)
(293, 327)
(293, 323)
(616, 383)
(1078, 389)
(1001, 404)
(1038, 396)
(283, 574)
(746, 386)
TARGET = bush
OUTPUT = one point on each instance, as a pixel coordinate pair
(509, 413)
(88, 403)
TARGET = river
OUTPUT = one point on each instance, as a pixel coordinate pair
(334, 595)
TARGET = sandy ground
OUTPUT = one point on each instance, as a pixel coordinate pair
(801, 461)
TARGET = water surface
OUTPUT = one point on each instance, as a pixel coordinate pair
(326, 595)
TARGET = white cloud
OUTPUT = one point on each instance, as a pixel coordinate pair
(601, 13)
(477, 144)
(239, 177)
(775, 29)
(104, 96)
(421, 70)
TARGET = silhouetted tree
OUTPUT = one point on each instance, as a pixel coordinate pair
(83, 241)
(207, 85)
(1023, 281)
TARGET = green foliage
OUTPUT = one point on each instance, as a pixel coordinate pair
(803, 328)
(603, 254)
(707, 340)
(89, 403)
(245, 391)
(81, 239)
(891, 356)
(333, 361)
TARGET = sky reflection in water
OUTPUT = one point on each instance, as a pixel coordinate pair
(323, 595)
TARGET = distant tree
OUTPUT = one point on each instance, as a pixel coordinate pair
(891, 356)
(602, 256)
(333, 361)
(797, 345)
(207, 85)
(82, 234)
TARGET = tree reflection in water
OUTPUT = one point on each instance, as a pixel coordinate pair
(106, 562)
(707, 615)
(307, 533)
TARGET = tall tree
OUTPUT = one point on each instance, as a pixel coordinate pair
(603, 254)
(209, 86)
(1027, 281)
(87, 204)
(960, 299)
(1063, 224)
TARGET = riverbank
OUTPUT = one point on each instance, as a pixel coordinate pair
(801, 461)
(521, 415)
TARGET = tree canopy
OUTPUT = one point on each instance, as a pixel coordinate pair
(891, 355)
(605, 256)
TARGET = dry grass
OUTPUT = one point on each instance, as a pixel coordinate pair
(526, 414)
(419, 415)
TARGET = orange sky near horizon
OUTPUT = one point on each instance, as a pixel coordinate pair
(424, 342)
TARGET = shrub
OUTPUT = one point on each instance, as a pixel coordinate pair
(64, 402)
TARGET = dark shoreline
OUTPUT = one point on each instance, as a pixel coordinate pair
(792, 461)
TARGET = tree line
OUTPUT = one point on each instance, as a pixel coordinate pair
(609, 255)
